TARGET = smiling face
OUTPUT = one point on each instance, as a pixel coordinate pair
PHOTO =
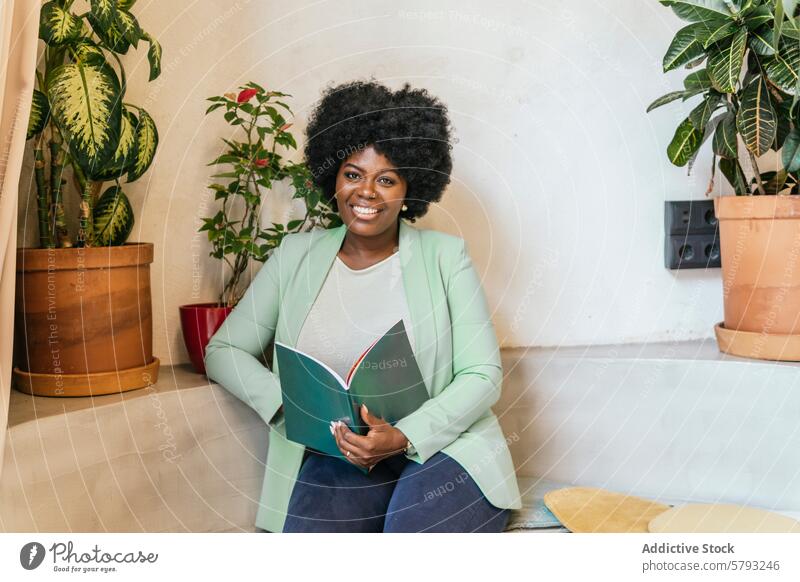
(369, 193)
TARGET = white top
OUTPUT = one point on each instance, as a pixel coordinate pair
(352, 310)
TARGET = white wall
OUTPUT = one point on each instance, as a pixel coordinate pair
(560, 176)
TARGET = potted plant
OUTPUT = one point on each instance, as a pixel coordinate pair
(83, 314)
(745, 62)
(253, 166)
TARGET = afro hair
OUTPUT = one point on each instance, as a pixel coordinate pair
(408, 126)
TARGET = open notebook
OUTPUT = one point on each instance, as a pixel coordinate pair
(385, 377)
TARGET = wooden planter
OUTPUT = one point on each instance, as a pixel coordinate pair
(83, 321)
(760, 247)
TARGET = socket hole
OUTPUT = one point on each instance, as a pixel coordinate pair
(711, 220)
(712, 251)
(686, 253)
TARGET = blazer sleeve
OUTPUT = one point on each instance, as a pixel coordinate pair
(231, 354)
(477, 369)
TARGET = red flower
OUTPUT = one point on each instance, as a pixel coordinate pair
(246, 95)
(262, 163)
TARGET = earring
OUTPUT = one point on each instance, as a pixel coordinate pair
(405, 207)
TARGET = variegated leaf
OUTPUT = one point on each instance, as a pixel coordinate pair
(145, 144)
(57, 25)
(85, 102)
(129, 27)
(113, 218)
(125, 4)
(110, 35)
(684, 144)
(105, 11)
(725, 65)
(784, 68)
(154, 56)
(40, 112)
(684, 48)
(732, 171)
(123, 158)
(755, 119)
(85, 51)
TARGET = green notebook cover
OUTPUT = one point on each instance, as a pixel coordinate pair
(386, 378)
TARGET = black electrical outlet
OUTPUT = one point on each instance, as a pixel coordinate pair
(691, 235)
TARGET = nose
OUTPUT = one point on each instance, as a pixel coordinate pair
(366, 190)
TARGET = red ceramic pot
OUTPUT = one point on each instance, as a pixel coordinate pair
(199, 322)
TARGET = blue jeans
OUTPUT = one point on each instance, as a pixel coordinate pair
(398, 495)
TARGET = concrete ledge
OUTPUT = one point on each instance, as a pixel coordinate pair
(665, 421)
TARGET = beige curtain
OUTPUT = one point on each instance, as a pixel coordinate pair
(19, 28)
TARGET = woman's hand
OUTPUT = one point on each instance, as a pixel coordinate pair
(382, 441)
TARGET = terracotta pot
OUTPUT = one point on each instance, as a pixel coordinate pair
(760, 247)
(199, 322)
(83, 320)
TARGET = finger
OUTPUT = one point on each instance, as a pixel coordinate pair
(370, 418)
(353, 453)
(351, 442)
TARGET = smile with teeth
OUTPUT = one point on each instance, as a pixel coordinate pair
(364, 210)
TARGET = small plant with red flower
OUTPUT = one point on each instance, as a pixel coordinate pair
(254, 165)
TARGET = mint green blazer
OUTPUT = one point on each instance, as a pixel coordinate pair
(455, 346)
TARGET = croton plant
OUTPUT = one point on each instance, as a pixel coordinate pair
(81, 124)
(744, 57)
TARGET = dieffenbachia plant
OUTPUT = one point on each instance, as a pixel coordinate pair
(745, 61)
(254, 165)
(80, 120)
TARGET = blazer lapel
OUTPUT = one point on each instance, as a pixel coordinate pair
(318, 262)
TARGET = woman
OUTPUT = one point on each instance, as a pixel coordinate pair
(379, 157)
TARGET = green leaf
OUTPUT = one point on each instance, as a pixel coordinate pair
(713, 31)
(774, 182)
(664, 99)
(684, 144)
(113, 218)
(40, 112)
(761, 15)
(125, 4)
(57, 25)
(145, 144)
(697, 81)
(784, 68)
(702, 113)
(755, 119)
(790, 154)
(724, 143)
(684, 48)
(783, 113)
(761, 41)
(791, 29)
(154, 57)
(732, 171)
(85, 103)
(725, 65)
(699, 10)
